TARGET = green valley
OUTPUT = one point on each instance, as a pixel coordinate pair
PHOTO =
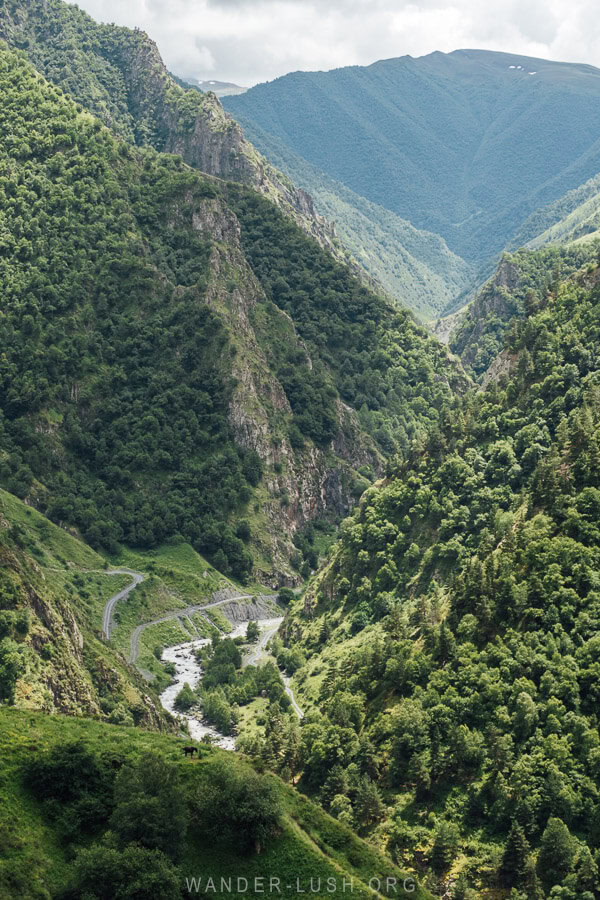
(248, 503)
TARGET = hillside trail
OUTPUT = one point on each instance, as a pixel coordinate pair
(107, 620)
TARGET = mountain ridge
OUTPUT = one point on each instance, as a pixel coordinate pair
(278, 404)
(121, 78)
(444, 141)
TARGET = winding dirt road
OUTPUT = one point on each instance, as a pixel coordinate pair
(289, 691)
(107, 621)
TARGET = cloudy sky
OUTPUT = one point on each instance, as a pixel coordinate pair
(247, 41)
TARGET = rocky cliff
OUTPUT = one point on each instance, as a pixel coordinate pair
(299, 484)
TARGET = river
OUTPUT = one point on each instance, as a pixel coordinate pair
(188, 670)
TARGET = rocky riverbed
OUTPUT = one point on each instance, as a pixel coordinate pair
(188, 670)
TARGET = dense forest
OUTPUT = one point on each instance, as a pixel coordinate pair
(96, 63)
(449, 647)
(381, 364)
(517, 289)
(117, 366)
(118, 75)
(129, 438)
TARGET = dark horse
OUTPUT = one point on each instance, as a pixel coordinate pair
(189, 751)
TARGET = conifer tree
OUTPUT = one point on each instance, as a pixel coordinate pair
(557, 849)
(514, 860)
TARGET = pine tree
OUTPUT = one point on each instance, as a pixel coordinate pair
(368, 806)
(555, 858)
(587, 871)
(514, 860)
(445, 846)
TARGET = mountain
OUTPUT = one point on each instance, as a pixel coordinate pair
(53, 589)
(446, 653)
(579, 220)
(118, 75)
(415, 267)
(449, 142)
(179, 357)
(557, 240)
(571, 217)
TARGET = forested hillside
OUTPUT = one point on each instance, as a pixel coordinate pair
(449, 649)
(118, 75)
(151, 386)
(443, 141)
(520, 285)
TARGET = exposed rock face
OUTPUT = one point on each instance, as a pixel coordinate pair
(502, 366)
(262, 607)
(300, 484)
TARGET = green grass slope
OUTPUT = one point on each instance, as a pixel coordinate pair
(577, 203)
(53, 656)
(36, 860)
(579, 226)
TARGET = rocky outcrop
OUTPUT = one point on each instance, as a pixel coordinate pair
(301, 484)
(478, 332)
(260, 608)
(502, 367)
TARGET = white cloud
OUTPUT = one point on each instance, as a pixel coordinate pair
(247, 41)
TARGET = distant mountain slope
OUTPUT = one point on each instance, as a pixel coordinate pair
(414, 266)
(574, 209)
(466, 144)
(580, 225)
(220, 88)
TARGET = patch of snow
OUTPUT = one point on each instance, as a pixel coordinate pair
(512, 67)
(532, 73)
